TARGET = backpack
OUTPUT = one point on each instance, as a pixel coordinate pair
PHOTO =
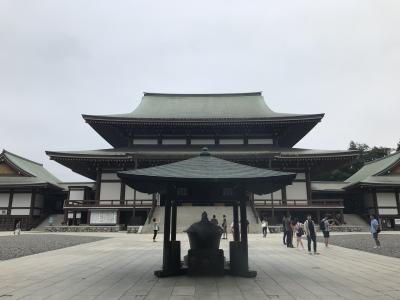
(322, 225)
(300, 231)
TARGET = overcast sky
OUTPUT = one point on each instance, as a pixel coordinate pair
(59, 59)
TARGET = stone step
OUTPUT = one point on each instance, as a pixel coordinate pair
(354, 220)
(57, 221)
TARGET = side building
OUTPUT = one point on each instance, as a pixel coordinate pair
(165, 128)
(28, 192)
(375, 189)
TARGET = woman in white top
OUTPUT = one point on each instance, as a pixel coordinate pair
(299, 233)
(264, 226)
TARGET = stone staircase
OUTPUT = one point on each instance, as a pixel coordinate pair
(57, 220)
(187, 215)
(354, 220)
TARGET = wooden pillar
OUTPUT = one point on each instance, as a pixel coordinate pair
(398, 201)
(236, 236)
(243, 232)
(10, 200)
(308, 186)
(173, 221)
(98, 185)
(167, 228)
(341, 216)
(376, 210)
(284, 196)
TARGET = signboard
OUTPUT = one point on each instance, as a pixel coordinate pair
(397, 221)
(103, 217)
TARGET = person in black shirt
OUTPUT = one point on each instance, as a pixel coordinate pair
(309, 228)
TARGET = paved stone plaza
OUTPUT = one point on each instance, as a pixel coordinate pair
(122, 268)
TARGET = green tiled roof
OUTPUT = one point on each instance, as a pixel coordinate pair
(372, 171)
(203, 106)
(208, 169)
(36, 173)
(190, 151)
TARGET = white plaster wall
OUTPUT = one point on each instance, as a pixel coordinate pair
(77, 194)
(277, 195)
(388, 211)
(297, 190)
(109, 176)
(21, 200)
(110, 191)
(262, 197)
(386, 199)
(19, 212)
(4, 199)
(231, 141)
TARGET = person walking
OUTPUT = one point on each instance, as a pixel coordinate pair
(284, 229)
(289, 232)
(17, 228)
(156, 228)
(264, 226)
(214, 220)
(375, 230)
(299, 231)
(325, 228)
(224, 228)
(309, 229)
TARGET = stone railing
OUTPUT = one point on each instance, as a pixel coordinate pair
(84, 228)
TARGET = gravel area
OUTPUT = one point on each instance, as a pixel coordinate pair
(28, 244)
(390, 243)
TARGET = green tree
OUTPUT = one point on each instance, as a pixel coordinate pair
(398, 146)
(366, 154)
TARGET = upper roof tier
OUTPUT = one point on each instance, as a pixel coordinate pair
(203, 107)
(185, 114)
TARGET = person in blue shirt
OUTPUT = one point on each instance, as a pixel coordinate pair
(375, 229)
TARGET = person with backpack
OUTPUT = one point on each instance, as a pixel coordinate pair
(324, 226)
(309, 229)
(375, 230)
(298, 228)
(156, 228)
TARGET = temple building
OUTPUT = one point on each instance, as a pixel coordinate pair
(166, 128)
(375, 189)
(28, 192)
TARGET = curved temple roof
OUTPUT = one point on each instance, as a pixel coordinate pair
(203, 106)
(207, 169)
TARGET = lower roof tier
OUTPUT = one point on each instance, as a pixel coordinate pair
(87, 162)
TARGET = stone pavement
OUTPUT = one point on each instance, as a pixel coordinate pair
(122, 268)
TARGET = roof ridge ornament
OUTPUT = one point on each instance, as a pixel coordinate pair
(204, 152)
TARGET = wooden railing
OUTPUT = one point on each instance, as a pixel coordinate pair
(298, 203)
(108, 203)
